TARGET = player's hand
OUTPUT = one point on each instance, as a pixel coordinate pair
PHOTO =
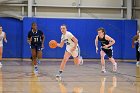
(132, 46)
(139, 49)
(96, 50)
(42, 46)
(5, 40)
(106, 46)
(73, 49)
(29, 41)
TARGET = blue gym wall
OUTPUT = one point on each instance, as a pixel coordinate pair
(13, 29)
(84, 29)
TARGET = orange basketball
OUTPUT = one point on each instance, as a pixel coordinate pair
(53, 44)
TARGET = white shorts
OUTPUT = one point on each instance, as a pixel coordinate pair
(75, 53)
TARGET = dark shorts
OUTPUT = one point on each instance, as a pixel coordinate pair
(109, 52)
(37, 48)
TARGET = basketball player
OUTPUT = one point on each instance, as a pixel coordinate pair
(2, 37)
(72, 48)
(106, 48)
(136, 42)
(36, 40)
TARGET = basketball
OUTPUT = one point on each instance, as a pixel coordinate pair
(53, 44)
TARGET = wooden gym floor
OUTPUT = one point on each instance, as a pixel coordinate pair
(17, 77)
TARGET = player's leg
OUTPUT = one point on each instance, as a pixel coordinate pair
(63, 63)
(102, 54)
(78, 60)
(109, 53)
(1, 51)
(39, 54)
(34, 60)
(137, 55)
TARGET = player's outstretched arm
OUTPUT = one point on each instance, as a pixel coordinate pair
(96, 43)
(61, 44)
(5, 40)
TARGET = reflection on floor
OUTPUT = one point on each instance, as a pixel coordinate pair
(17, 77)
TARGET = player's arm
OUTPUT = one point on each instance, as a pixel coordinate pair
(43, 39)
(134, 39)
(112, 41)
(29, 38)
(75, 42)
(61, 44)
(96, 43)
(5, 40)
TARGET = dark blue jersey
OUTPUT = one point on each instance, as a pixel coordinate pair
(36, 37)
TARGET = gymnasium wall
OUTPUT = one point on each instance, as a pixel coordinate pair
(84, 29)
(13, 29)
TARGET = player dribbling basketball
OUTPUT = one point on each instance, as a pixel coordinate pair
(72, 48)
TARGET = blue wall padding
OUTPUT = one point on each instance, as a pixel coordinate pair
(85, 30)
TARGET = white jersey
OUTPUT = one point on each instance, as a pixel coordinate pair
(67, 38)
(1, 38)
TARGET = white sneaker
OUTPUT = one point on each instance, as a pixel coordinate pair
(81, 61)
(0, 64)
(58, 77)
(115, 67)
(38, 62)
(103, 71)
(138, 64)
(36, 70)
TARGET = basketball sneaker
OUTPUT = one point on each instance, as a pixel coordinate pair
(58, 77)
(138, 64)
(38, 62)
(81, 61)
(0, 64)
(103, 69)
(115, 67)
(36, 70)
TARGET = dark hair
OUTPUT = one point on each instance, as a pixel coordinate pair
(103, 30)
(33, 24)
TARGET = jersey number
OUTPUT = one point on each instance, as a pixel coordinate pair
(35, 39)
